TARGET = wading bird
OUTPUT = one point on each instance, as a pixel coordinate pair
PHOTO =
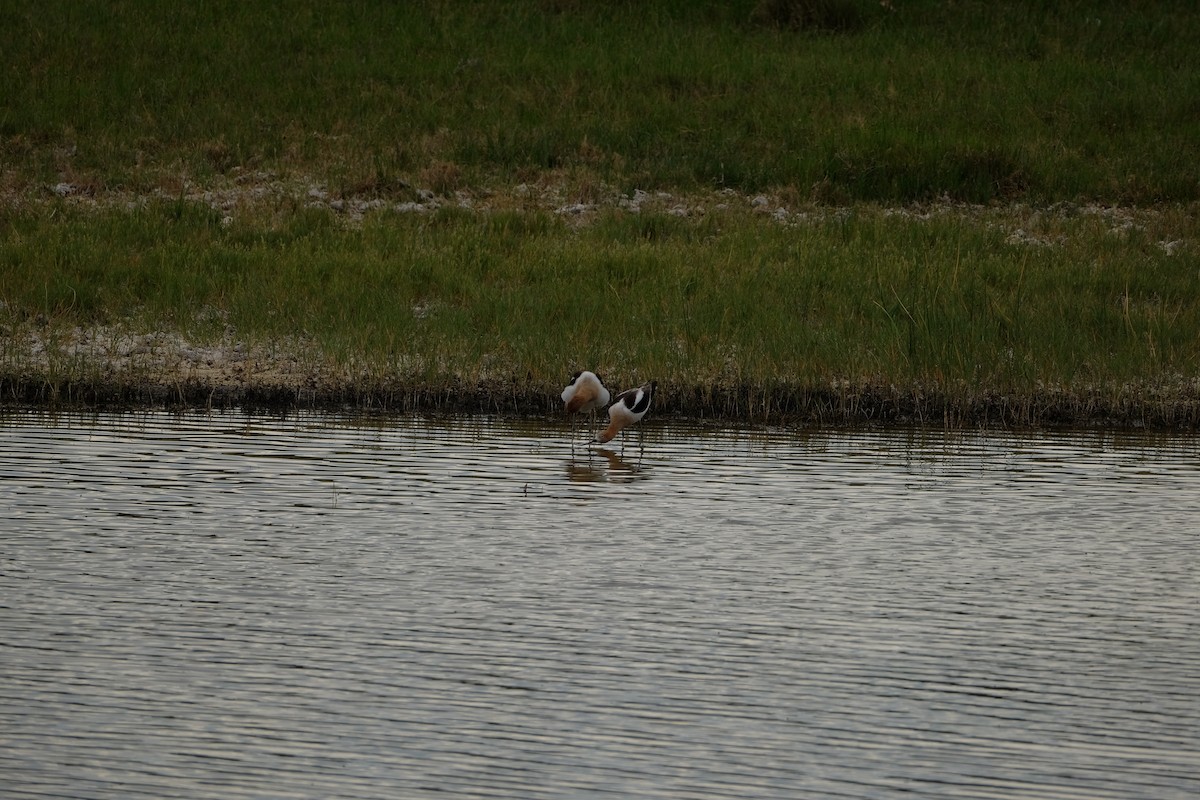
(628, 407)
(586, 392)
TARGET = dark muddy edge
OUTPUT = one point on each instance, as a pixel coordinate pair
(1134, 407)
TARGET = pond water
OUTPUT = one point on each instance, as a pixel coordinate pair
(320, 606)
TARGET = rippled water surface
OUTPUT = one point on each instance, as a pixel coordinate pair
(230, 606)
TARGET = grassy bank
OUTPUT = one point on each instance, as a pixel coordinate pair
(964, 212)
(733, 310)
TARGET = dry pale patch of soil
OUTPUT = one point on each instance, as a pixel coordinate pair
(255, 192)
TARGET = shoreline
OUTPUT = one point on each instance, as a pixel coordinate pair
(1164, 408)
(57, 361)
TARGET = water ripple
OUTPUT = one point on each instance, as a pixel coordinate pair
(239, 606)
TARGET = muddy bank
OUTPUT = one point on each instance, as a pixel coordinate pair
(1175, 408)
(112, 367)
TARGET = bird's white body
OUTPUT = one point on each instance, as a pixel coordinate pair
(586, 392)
(628, 407)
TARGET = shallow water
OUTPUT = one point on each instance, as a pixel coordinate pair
(232, 606)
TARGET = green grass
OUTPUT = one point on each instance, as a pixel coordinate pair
(728, 301)
(975, 100)
(166, 121)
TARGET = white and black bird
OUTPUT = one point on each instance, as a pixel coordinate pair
(586, 393)
(628, 407)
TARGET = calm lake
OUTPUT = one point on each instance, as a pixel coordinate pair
(320, 606)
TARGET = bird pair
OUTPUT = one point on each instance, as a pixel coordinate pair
(587, 392)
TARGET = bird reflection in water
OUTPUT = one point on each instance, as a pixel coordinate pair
(602, 464)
